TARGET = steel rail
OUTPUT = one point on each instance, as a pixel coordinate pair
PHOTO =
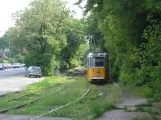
(29, 94)
(63, 106)
(25, 104)
(115, 84)
(19, 106)
(22, 105)
(2, 96)
(16, 98)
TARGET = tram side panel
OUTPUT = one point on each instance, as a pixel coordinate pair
(89, 74)
(107, 70)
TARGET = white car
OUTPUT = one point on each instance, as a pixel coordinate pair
(2, 66)
(34, 71)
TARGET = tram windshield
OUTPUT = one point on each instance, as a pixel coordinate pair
(99, 62)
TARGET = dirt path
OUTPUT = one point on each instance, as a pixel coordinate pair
(120, 114)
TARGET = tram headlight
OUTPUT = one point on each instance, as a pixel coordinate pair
(98, 74)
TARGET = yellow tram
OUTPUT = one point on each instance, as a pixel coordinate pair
(97, 67)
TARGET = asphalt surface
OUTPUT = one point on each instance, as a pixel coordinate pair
(12, 72)
(12, 80)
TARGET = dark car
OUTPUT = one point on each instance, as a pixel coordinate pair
(34, 71)
(2, 66)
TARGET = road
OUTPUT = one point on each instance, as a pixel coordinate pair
(12, 80)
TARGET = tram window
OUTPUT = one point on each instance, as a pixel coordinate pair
(99, 62)
(91, 62)
(88, 62)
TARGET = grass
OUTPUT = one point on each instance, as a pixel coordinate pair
(92, 106)
(152, 118)
(148, 110)
(125, 108)
(144, 119)
(108, 103)
(54, 92)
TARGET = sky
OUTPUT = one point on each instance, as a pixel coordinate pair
(7, 7)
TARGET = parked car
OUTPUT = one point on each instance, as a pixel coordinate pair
(6, 65)
(22, 65)
(33, 71)
(16, 65)
(2, 66)
(9, 65)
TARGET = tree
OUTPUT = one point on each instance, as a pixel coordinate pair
(94, 34)
(131, 33)
(39, 29)
(77, 46)
(4, 42)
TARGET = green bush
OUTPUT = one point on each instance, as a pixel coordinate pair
(46, 62)
(100, 108)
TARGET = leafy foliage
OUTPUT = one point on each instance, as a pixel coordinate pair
(131, 33)
(52, 38)
(74, 52)
(95, 36)
(39, 28)
(4, 42)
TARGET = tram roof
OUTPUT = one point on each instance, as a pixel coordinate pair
(97, 54)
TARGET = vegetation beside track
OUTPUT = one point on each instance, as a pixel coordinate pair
(54, 92)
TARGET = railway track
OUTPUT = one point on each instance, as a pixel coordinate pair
(75, 75)
(27, 95)
(2, 96)
(115, 84)
(20, 97)
(63, 106)
(23, 104)
(16, 98)
(17, 106)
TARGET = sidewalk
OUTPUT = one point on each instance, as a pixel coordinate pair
(120, 114)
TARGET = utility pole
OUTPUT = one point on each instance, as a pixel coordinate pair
(9, 49)
(90, 43)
